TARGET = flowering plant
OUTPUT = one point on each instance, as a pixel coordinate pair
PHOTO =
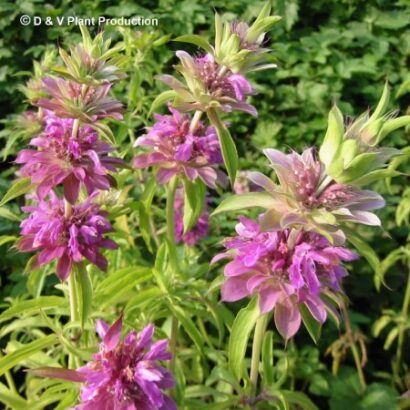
(124, 214)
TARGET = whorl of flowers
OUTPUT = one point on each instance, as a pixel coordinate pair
(209, 85)
(198, 231)
(67, 159)
(175, 149)
(285, 268)
(306, 196)
(70, 99)
(65, 238)
(70, 154)
(124, 374)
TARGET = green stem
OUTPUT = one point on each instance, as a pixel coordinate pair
(9, 378)
(404, 313)
(173, 343)
(353, 347)
(74, 317)
(172, 247)
(259, 334)
(195, 119)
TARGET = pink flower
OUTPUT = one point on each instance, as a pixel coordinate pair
(306, 196)
(69, 160)
(123, 375)
(68, 239)
(176, 150)
(89, 103)
(209, 85)
(197, 232)
(286, 268)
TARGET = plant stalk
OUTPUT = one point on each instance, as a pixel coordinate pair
(401, 335)
(195, 120)
(353, 347)
(173, 343)
(170, 214)
(259, 334)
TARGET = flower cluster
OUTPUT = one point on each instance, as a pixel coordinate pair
(209, 85)
(306, 196)
(69, 153)
(286, 268)
(68, 238)
(72, 161)
(178, 150)
(126, 375)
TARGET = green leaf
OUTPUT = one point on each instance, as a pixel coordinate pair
(18, 188)
(299, 399)
(359, 166)
(383, 103)
(7, 214)
(160, 100)
(390, 126)
(228, 147)
(84, 293)
(194, 200)
(144, 296)
(33, 305)
(333, 137)
(197, 41)
(238, 341)
(120, 282)
(267, 358)
(376, 175)
(365, 250)
(188, 325)
(12, 400)
(16, 357)
(312, 325)
(244, 201)
(6, 239)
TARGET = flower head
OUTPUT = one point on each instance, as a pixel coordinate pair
(93, 61)
(126, 375)
(62, 158)
(177, 150)
(197, 232)
(286, 268)
(69, 99)
(209, 85)
(66, 238)
(306, 196)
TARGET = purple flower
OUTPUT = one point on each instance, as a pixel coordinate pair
(306, 196)
(176, 150)
(89, 103)
(68, 239)
(123, 375)
(69, 160)
(209, 85)
(197, 232)
(286, 268)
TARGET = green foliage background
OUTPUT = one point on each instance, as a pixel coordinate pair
(326, 50)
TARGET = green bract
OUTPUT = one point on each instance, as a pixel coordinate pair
(351, 152)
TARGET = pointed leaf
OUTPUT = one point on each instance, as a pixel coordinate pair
(245, 201)
(228, 147)
(18, 188)
(238, 341)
